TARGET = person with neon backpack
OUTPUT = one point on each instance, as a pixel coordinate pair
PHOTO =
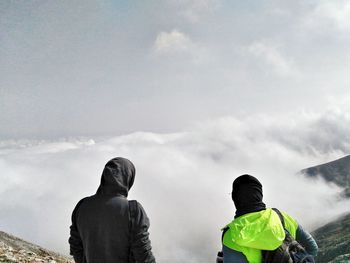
(259, 234)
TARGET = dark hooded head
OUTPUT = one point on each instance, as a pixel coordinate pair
(117, 177)
(247, 195)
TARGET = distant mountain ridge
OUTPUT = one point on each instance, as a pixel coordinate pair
(333, 239)
(337, 171)
(16, 250)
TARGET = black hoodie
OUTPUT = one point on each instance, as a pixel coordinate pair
(102, 229)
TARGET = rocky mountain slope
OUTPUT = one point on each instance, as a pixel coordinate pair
(337, 172)
(334, 238)
(15, 250)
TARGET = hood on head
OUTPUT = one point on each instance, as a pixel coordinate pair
(117, 177)
(247, 195)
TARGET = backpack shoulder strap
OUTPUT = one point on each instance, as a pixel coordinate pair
(278, 212)
(132, 214)
(132, 217)
(224, 230)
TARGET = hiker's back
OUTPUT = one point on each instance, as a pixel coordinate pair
(106, 227)
(257, 234)
(103, 223)
(290, 251)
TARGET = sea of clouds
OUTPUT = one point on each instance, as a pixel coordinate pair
(183, 179)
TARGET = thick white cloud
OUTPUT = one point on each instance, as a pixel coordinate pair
(182, 179)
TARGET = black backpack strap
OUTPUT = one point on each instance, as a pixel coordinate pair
(280, 216)
(132, 214)
(219, 257)
(224, 230)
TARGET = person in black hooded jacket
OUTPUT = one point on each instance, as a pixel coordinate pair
(106, 227)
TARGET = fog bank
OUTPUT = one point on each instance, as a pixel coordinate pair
(183, 179)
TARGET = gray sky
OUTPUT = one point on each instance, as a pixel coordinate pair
(72, 68)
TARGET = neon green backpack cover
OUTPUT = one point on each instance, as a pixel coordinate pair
(253, 232)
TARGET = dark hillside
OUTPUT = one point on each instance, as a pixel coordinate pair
(337, 171)
(333, 240)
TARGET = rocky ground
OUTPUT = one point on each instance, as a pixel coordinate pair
(333, 240)
(15, 250)
(341, 259)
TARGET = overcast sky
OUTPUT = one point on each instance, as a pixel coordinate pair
(194, 92)
(72, 68)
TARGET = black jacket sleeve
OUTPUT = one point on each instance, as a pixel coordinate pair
(140, 243)
(75, 242)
